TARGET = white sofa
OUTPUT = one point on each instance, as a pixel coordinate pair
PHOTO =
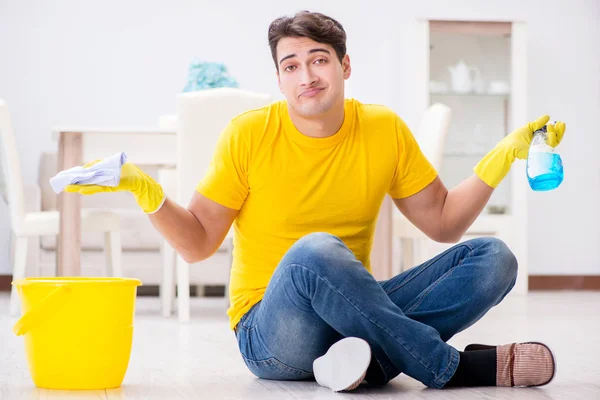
(140, 241)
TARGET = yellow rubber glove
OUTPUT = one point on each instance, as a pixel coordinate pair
(495, 165)
(147, 192)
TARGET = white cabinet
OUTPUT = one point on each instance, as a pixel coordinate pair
(479, 69)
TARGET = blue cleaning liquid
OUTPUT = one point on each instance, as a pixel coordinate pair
(544, 171)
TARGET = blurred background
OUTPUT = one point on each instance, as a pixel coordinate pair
(122, 63)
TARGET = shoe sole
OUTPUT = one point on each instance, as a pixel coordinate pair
(344, 366)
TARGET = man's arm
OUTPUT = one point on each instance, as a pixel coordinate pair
(445, 215)
(196, 232)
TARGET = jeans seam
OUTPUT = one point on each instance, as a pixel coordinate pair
(368, 319)
(279, 364)
(429, 264)
(442, 375)
(386, 369)
(437, 282)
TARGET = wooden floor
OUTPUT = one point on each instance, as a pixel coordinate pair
(200, 360)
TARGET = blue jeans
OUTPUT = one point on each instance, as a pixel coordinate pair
(320, 293)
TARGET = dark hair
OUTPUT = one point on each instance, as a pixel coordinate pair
(313, 25)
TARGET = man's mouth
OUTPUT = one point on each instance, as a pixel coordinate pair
(311, 92)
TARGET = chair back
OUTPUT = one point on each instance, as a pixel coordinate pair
(11, 170)
(432, 133)
(201, 117)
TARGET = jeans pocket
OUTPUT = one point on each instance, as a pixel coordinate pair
(248, 321)
(272, 368)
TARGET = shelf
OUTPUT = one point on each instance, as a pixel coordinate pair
(469, 94)
(463, 154)
(494, 28)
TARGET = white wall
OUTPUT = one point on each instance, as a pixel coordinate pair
(114, 62)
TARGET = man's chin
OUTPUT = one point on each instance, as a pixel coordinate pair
(311, 110)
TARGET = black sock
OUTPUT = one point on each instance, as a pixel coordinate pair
(475, 368)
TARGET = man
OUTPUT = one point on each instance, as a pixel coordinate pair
(302, 181)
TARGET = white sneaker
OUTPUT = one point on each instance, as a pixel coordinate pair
(344, 366)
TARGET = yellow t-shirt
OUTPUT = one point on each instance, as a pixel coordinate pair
(287, 185)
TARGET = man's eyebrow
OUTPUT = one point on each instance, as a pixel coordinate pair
(309, 52)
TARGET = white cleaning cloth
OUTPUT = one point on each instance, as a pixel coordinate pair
(104, 173)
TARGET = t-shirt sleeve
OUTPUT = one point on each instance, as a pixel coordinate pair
(414, 171)
(226, 181)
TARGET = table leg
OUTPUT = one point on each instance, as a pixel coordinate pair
(381, 254)
(68, 248)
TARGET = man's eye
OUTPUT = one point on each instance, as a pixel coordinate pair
(321, 61)
(289, 68)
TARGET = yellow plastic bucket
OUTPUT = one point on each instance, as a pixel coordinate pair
(78, 331)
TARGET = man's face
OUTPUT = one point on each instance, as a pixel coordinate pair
(310, 75)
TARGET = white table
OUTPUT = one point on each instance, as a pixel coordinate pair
(77, 145)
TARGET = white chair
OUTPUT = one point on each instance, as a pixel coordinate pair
(431, 137)
(201, 117)
(30, 224)
(432, 133)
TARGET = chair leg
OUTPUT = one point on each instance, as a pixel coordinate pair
(229, 267)
(183, 290)
(167, 284)
(408, 260)
(112, 252)
(18, 272)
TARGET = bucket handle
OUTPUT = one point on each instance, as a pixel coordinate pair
(43, 310)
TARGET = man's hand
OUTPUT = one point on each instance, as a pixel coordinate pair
(147, 192)
(496, 164)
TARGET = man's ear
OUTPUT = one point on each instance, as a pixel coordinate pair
(346, 66)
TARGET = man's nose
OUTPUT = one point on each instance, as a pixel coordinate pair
(308, 78)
